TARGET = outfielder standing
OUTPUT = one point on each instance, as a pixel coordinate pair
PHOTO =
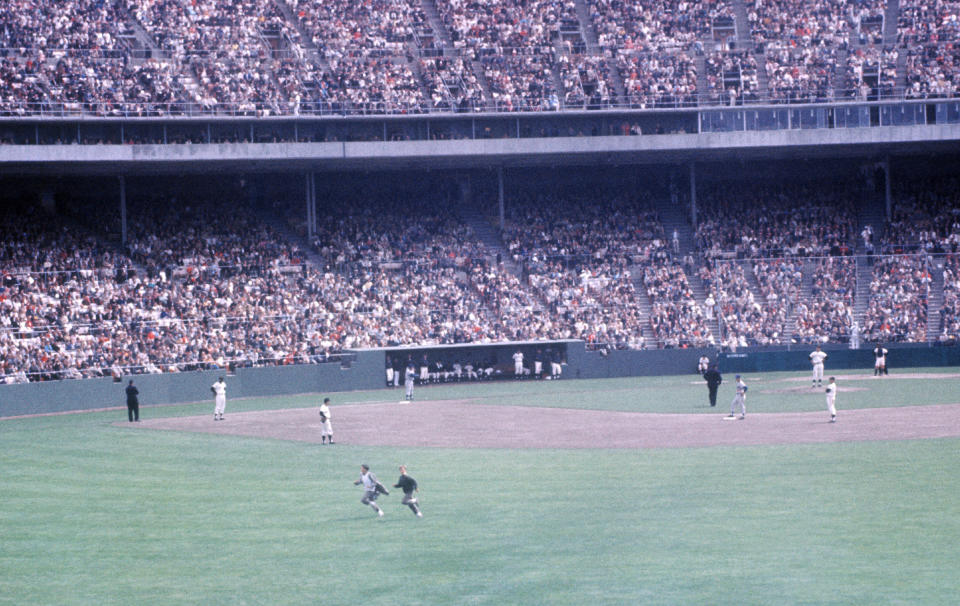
(816, 358)
(219, 390)
(408, 485)
(740, 398)
(370, 491)
(880, 360)
(832, 399)
(327, 431)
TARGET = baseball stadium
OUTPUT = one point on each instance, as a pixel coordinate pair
(491, 302)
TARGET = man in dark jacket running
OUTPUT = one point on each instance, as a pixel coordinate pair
(408, 485)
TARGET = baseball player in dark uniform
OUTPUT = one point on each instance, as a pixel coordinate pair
(880, 360)
(408, 485)
(133, 404)
(714, 380)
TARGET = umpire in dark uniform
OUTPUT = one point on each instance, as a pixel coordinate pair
(714, 380)
(133, 404)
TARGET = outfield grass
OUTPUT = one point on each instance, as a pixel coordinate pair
(93, 513)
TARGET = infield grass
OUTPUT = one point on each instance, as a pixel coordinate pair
(93, 513)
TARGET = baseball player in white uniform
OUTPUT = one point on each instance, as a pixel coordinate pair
(832, 399)
(555, 366)
(518, 364)
(816, 358)
(739, 399)
(409, 376)
(370, 492)
(703, 364)
(327, 430)
(219, 390)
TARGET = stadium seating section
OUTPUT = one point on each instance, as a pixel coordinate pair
(215, 283)
(290, 57)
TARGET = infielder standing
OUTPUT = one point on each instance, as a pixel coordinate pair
(219, 390)
(327, 431)
(409, 486)
(370, 492)
(740, 398)
(409, 377)
(816, 358)
(832, 399)
(880, 360)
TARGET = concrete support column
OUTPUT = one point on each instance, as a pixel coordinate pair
(693, 195)
(311, 203)
(123, 210)
(500, 193)
(888, 187)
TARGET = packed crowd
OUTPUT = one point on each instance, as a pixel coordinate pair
(872, 70)
(342, 28)
(828, 314)
(897, 310)
(676, 317)
(255, 57)
(658, 26)
(732, 77)
(774, 221)
(658, 80)
(576, 254)
(950, 313)
(925, 216)
(747, 318)
(213, 285)
(929, 30)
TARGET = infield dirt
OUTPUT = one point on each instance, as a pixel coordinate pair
(465, 424)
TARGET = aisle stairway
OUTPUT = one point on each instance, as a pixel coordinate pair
(935, 302)
(862, 297)
(489, 236)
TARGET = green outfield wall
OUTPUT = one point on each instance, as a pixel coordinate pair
(365, 370)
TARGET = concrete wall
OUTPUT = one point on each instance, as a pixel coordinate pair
(478, 152)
